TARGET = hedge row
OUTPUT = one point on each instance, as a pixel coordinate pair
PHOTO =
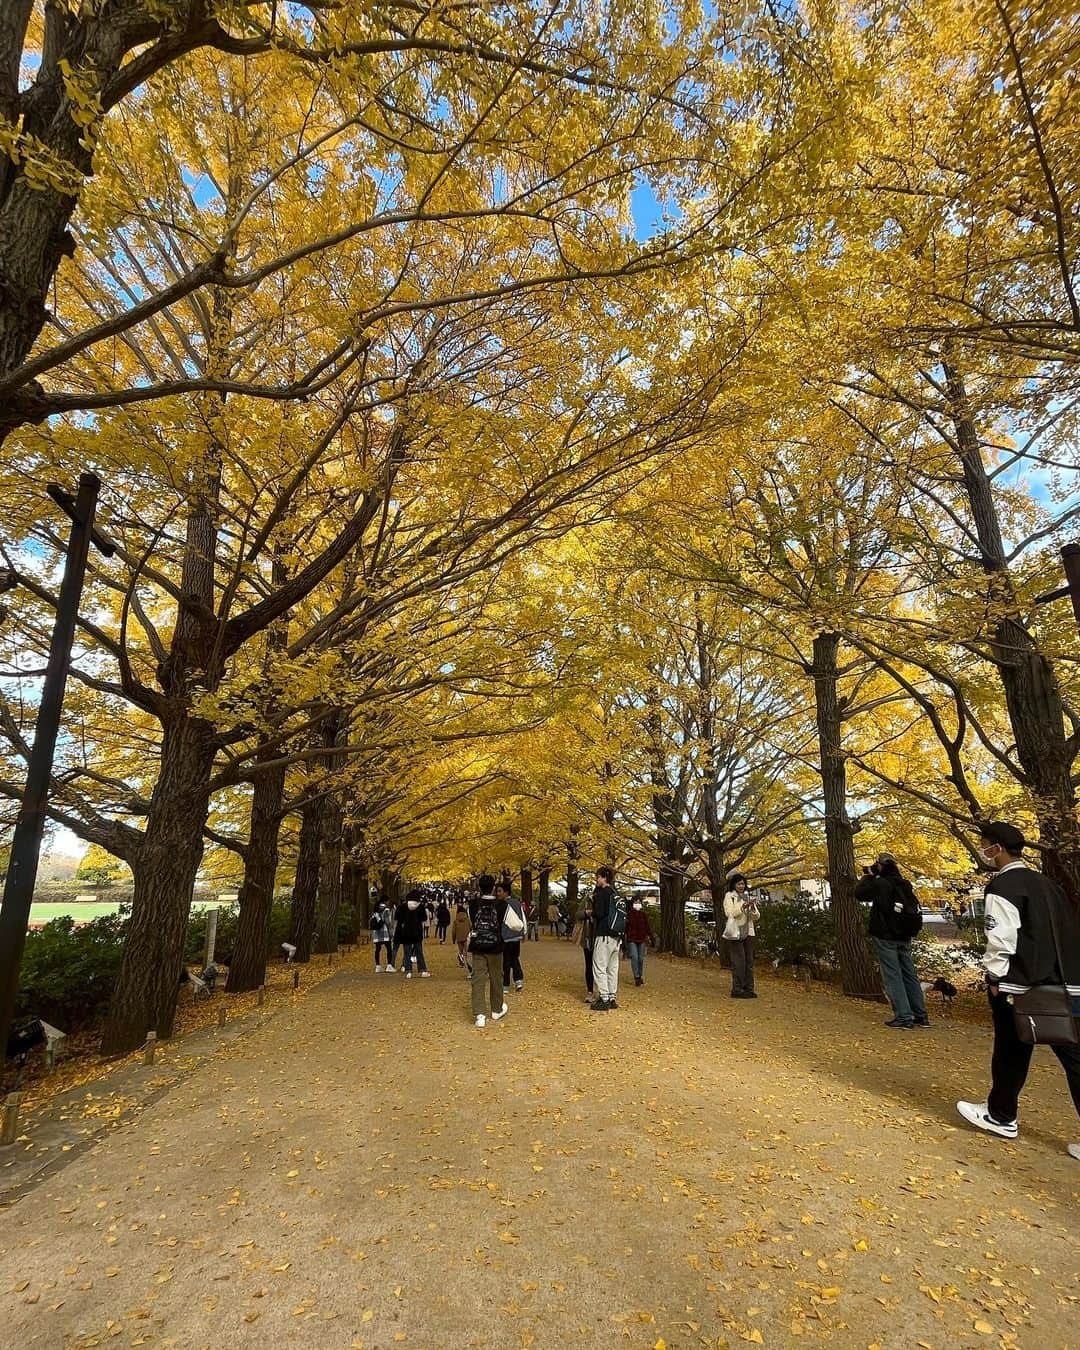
(69, 969)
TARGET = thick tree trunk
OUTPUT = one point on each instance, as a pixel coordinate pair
(306, 885)
(526, 884)
(1032, 695)
(326, 925)
(252, 946)
(544, 892)
(356, 896)
(717, 872)
(144, 998)
(858, 969)
(672, 908)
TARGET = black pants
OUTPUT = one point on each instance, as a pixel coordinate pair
(512, 962)
(440, 931)
(1012, 1059)
(588, 969)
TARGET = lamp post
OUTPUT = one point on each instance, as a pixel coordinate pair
(30, 825)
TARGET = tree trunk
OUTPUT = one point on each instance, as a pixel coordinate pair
(1032, 695)
(356, 896)
(544, 894)
(858, 969)
(326, 926)
(572, 873)
(717, 870)
(247, 969)
(526, 885)
(672, 908)
(306, 885)
(144, 998)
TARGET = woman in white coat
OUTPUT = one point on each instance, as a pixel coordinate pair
(740, 911)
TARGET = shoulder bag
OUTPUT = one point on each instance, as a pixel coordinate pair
(1044, 1015)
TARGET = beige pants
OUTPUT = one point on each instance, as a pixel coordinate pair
(605, 964)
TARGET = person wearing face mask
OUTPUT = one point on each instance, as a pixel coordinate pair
(410, 930)
(638, 933)
(1032, 930)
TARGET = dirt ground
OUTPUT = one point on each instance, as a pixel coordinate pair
(366, 1169)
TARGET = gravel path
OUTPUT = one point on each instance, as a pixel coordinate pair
(368, 1170)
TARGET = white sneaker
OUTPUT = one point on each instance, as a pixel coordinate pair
(392, 970)
(519, 985)
(408, 974)
(1074, 1151)
(481, 1021)
(501, 1013)
(977, 1114)
(425, 974)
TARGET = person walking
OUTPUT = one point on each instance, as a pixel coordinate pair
(740, 911)
(895, 918)
(486, 944)
(553, 919)
(588, 938)
(638, 933)
(462, 929)
(442, 921)
(380, 934)
(532, 921)
(609, 914)
(410, 918)
(513, 930)
(1032, 939)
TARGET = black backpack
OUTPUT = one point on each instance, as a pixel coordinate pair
(906, 920)
(487, 931)
(617, 914)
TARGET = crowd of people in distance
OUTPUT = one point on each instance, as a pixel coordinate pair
(1031, 962)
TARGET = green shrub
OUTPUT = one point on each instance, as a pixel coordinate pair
(933, 959)
(796, 931)
(195, 942)
(68, 969)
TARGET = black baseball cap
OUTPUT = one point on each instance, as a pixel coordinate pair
(1000, 832)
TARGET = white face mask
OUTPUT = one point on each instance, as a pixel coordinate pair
(637, 905)
(988, 857)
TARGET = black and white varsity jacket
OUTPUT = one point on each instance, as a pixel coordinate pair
(1020, 948)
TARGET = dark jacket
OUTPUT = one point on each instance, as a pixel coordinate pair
(603, 906)
(1020, 949)
(638, 928)
(410, 922)
(443, 915)
(886, 892)
(486, 914)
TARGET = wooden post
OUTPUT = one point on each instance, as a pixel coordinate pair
(221, 1016)
(150, 1047)
(9, 1128)
(296, 979)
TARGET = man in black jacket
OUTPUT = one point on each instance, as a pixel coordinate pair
(895, 918)
(486, 944)
(1022, 909)
(609, 916)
